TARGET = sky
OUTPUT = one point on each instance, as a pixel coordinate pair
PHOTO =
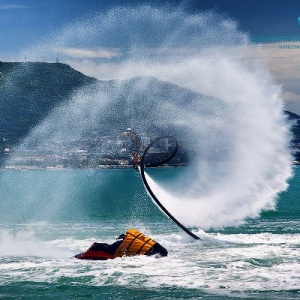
(273, 24)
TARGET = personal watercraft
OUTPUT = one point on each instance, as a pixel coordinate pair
(132, 243)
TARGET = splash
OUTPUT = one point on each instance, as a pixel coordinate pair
(193, 75)
(25, 243)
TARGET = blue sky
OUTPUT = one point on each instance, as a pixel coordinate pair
(25, 23)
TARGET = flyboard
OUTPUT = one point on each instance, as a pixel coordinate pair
(161, 162)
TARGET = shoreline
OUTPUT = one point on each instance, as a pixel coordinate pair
(101, 167)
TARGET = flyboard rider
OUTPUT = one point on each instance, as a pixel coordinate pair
(136, 144)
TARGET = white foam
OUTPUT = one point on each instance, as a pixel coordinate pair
(24, 243)
(234, 263)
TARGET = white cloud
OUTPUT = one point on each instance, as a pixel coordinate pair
(12, 6)
(90, 53)
(283, 59)
(283, 62)
(101, 71)
(292, 97)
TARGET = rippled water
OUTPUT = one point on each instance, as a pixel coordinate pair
(257, 260)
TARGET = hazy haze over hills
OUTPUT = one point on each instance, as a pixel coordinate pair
(30, 92)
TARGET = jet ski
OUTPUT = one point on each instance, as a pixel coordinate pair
(130, 244)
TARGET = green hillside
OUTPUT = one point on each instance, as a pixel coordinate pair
(29, 91)
(295, 130)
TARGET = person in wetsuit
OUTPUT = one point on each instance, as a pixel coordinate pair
(136, 144)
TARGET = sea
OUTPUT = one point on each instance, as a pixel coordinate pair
(48, 216)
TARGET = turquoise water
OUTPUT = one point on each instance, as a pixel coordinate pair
(49, 216)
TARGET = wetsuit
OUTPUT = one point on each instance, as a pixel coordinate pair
(136, 144)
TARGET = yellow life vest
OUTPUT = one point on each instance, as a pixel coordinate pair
(135, 243)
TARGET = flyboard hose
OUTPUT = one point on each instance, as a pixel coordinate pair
(142, 170)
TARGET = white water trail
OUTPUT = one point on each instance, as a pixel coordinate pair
(206, 82)
(24, 243)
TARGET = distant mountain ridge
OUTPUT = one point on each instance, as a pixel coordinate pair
(30, 91)
(295, 125)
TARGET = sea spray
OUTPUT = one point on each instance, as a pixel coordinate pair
(192, 75)
(24, 243)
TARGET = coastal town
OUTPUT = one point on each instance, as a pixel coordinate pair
(39, 88)
(91, 152)
(95, 152)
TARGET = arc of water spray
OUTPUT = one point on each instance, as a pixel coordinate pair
(142, 171)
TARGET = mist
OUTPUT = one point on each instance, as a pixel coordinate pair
(194, 73)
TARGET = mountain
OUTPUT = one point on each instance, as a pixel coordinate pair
(294, 121)
(30, 91)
